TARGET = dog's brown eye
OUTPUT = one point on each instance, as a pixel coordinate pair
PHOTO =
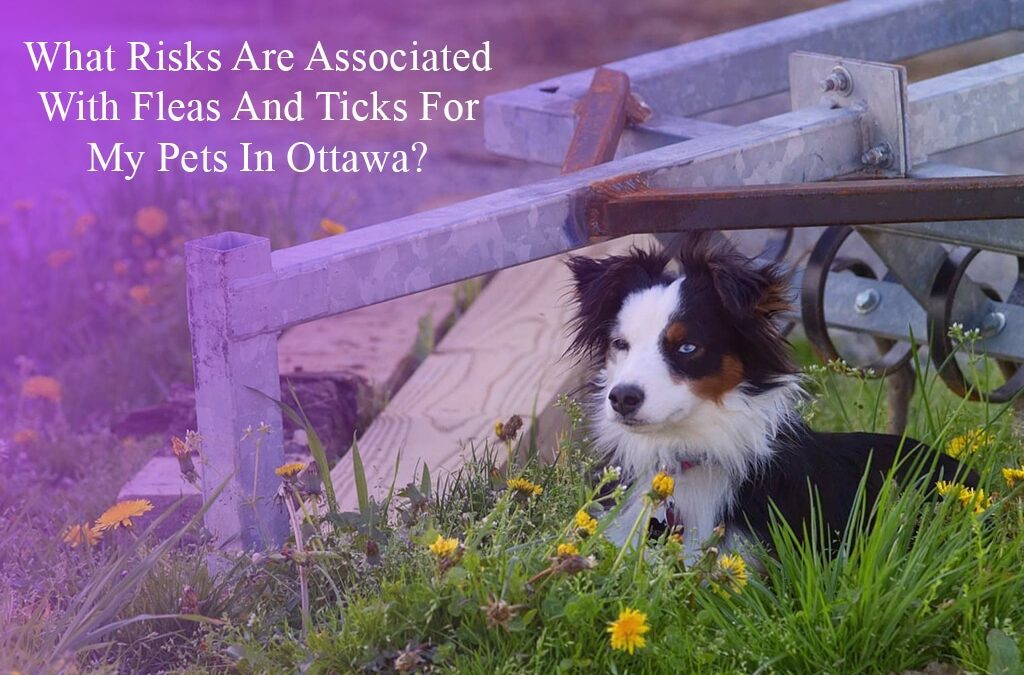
(620, 344)
(687, 348)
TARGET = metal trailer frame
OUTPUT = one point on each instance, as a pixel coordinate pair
(241, 295)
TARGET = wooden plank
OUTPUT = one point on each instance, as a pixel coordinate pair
(370, 342)
(503, 357)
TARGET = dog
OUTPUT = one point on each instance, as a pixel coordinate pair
(694, 378)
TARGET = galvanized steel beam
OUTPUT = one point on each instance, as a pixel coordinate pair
(966, 106)
(526, 223)
(236, 381)
(504, 229)
(535, 122)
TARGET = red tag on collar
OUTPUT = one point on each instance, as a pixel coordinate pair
(686, 465)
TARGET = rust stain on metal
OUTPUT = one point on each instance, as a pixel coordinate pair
(618, 210)
(603, 113)
(601, 193)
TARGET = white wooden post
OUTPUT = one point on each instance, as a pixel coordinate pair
(229, 412)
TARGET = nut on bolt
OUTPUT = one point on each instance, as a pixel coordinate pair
(993, 324)
(879, 156)
(838, 82)
(866, 301)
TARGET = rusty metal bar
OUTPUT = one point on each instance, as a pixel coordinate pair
(854, 202)
(603, 113)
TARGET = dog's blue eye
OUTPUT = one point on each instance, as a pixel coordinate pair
(620, 344)
(687, 348)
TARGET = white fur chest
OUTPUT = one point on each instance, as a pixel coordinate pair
(701, 496)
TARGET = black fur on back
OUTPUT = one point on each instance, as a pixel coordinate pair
(829, 467)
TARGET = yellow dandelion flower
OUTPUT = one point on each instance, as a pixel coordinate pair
(1013, 476)
(627, 631)
(121, 514)
(975, 500)
(151, 221)
(83, 534)
(332, 227)
(946, 488)
(26, 437)
(141, 293)
(499, 428)
(42, 386)
(969, 443)
(733, 571)
(566, 550)
(83, 224)
(586, 522)
(524, 488)
(59, 258)
(290, 470)
(662, 486)
(444, 547)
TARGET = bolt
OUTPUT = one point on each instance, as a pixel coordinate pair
(838, 81)
(993, 324)
(879, 156)
(866, 301)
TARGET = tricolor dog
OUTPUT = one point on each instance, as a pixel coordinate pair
(694, 378)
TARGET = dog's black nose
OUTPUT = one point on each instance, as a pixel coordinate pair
(626, 398)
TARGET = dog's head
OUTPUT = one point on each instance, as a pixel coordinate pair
(669, 347)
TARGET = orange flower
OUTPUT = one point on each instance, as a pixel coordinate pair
(332, 227)
(23, 205)
(83, 224)
(121, 514)
(141, 293)
(153, 266)
(151, 221)
(26, 437)
(60, 257)
(290, 470)
(120, 268)
(82, 535)
(42, 386)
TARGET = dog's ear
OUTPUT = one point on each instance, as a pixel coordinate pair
(746, 288)
(600, 286)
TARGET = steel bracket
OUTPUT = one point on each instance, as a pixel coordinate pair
(878, 90)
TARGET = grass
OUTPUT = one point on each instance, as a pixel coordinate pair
(932, 582)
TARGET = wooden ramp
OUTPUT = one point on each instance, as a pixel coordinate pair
(504, 357)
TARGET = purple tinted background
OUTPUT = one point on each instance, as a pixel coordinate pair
(529, 39)
(99, 307)
(52, 154)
